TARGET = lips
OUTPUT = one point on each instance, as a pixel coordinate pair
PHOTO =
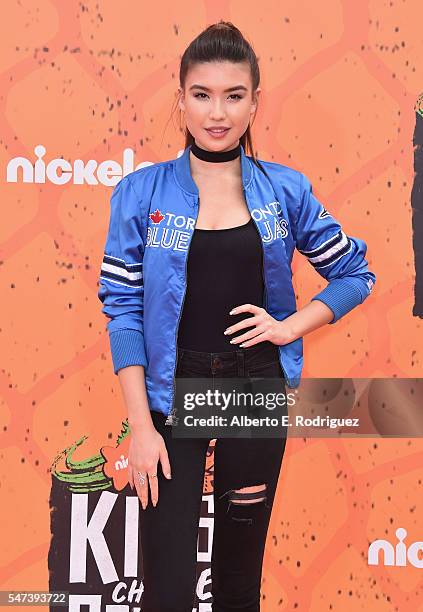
(217, 130)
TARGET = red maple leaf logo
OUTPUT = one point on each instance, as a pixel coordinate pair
(156, 216)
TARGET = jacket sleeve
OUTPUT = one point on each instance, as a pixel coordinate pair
(337, 257)
(121, 288)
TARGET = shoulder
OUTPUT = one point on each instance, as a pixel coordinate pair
(289, 182)
(145, 177)
(280, 171)
(288, 178)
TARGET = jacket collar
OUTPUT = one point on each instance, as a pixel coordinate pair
(184, 177)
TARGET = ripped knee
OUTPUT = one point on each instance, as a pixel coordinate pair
(248, 495)
(243, 503)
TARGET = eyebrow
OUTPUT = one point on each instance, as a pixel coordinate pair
(237, 87)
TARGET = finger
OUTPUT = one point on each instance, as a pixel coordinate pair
(130, 477)
(252, 333)
(247, 322)
(154, 487)
(165, 463)
(245, 308)
(256, 340)
(142, 489)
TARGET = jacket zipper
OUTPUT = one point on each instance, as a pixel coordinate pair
(265, 293)
(172, 419)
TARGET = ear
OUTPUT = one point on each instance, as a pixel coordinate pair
(255, 100)
(181, 99)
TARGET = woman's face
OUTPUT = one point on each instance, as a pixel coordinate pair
(218, 94)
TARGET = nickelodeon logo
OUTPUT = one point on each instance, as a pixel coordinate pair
(122, 463)
(60, 171)
(399, 555)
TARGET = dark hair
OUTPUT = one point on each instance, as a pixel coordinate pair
(221, 41)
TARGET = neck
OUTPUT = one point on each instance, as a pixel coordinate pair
(215, 163)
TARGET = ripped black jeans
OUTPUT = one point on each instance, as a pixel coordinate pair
(241, 518)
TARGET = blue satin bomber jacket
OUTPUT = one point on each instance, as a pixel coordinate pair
(142, 280)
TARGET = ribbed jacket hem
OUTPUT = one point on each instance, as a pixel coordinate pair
(127, 348)
(341, 295)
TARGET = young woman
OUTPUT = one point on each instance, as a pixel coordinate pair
(196, 281)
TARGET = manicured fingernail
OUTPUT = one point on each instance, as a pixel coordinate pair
(168, 476)
(233, 311)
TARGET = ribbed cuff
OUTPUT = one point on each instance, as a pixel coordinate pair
(341, 295)
(127, 348)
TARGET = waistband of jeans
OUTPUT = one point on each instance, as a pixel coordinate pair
(262, 352)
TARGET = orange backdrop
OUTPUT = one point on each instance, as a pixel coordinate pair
(87, 80)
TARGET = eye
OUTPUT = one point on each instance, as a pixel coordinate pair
(197, 95)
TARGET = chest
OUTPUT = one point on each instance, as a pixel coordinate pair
(173, 215)
(221, 206)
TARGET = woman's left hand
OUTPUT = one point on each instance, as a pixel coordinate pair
(266, 327)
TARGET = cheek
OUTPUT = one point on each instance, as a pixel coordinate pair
(241, 110)
(195, 112)
(195, 118)
(240, 118)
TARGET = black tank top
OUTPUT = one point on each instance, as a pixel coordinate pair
(224, 270)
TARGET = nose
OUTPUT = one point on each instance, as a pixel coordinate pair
(217, 111)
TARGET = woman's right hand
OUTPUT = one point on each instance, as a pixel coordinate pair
(146, 448)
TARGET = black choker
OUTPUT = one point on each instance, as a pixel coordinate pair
(215, 156)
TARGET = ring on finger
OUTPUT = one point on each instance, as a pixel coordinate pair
(142, 478)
